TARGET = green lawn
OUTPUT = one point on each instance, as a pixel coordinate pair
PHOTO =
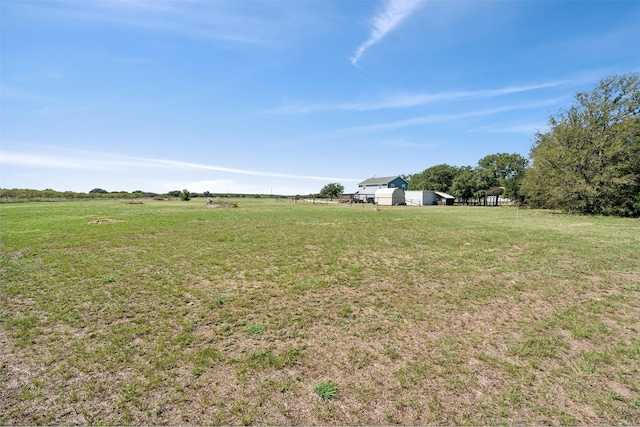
(291, 314)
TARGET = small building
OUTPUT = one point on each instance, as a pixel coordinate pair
(420, 198)
(389, 196)
(444, 198)
(428, 198)
(367, 188)
(493, 192)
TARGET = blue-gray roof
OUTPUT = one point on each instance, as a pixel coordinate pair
(381, 180)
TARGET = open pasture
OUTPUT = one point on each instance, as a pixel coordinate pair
(291, 314)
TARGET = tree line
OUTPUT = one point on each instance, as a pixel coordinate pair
(470, 184)
(21, 194)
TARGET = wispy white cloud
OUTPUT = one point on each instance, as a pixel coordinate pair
(229, 22)
(526, 128)
(14, 92)
(423, 120)
(392, 14)
(59, 162)
(189, 165)
(406, 100)
(105, 161)
(440, 118)
(402, 144)
(373, 143)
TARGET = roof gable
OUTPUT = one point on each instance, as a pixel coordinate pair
(444, 195)
(379, 181)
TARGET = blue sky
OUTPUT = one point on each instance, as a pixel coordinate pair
(285, 96)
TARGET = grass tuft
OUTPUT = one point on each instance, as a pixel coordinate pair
(326, 390)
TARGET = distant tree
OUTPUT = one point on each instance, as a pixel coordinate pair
(406, 177)
(504, 170)
(589, 162)
(185, 195)
(98, 191)
(332, 190)
(174, 193)
(436, 178)
(466, 184)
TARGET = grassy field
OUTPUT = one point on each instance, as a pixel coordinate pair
(282, 314)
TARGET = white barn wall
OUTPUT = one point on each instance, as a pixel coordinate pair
(420, 198)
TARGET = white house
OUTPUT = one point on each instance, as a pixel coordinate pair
(368, 187)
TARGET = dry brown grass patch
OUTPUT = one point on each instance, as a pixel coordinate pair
(103, 221)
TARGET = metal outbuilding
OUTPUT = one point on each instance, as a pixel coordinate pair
(420, 198)
(389, 196)
(444, 198)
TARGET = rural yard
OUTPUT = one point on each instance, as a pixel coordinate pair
(298, 314)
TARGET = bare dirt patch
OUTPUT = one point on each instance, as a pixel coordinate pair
(102, 221)
(221, 205)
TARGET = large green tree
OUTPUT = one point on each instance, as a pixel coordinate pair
(466, 184)
(469, 184)
(436, 178)
(332, 190)
(589, 162)
(504, 170)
